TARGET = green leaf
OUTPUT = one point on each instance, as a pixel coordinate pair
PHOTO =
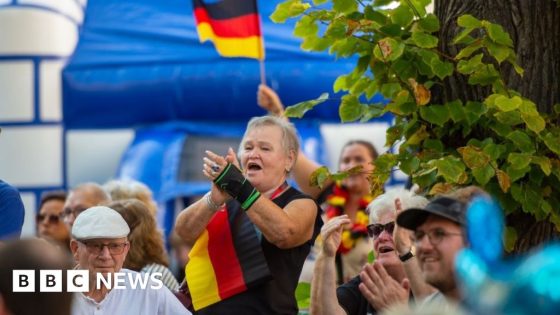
(469, 50)
(509, 118)
(534, 122)
(385, 162)
(528, 107)
(483, 174)
(340, 83)
(516, 67)
(471, 65)
(451, 169)
(288, 9)
(510, 238)
(319, 177)
(506, 104)
(468, 21)
(435, 114)
(473, 156)
(552, 141)
(430, 23)
(463, 37)
(350, 108)
(522, 141)
(303, 295)
(495, 151)
(544, 163)
(409, 164)
(393, 134)
(424, 40)
(499, 52)
(442, 69)
(434, 144)
(456, 110)
(345, 6)
(380, 3)
(336, 29)
(373, 111)
(299, 109)
(485, 75)
(318, 2)
(375, 16)
(474, 110)
(389, 49)
(306, 27)
(516, 174)
(519, 161)
(497, 34)
(389, 90)
(402, 15)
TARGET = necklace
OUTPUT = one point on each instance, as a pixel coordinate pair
(358, 229)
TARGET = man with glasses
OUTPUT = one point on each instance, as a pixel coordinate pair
(438, 236)
(379, 285)
(82, 197)
(99, 244)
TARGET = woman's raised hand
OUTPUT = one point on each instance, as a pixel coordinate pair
(269, 100)
(331, 234)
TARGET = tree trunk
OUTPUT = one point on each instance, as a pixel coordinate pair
(534, 27)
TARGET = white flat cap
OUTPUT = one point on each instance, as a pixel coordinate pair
(99, 222)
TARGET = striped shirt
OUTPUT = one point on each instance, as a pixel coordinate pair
(167, 277)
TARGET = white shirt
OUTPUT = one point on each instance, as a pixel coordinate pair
(130, 301)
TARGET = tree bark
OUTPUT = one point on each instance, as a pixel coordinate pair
(534, 27)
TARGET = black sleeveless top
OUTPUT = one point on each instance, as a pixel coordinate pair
(276, 296)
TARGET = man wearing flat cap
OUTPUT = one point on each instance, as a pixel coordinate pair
(99, 244)
(439, 235)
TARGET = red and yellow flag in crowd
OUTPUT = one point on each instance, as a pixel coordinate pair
(233, 26)
(225, 260)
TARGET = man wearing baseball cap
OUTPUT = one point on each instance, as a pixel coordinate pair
(439, 235)
(99, 244)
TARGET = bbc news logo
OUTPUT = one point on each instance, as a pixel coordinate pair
(78, 280)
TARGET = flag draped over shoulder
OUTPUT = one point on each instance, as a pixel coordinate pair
(226, 259)
(233, 26)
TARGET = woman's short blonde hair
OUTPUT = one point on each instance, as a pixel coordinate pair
(290, 139)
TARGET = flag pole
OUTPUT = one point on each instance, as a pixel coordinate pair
(263, 75)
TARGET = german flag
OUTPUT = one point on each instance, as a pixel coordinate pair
(233, 26)
(226, 259)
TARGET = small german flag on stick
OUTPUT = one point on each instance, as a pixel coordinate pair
(233, 26)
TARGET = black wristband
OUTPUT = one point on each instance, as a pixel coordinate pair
(232, 181)
(406, 256)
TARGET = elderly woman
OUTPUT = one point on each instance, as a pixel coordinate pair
(261, 236)
(147, 251)
(379, 285)
(349, 196)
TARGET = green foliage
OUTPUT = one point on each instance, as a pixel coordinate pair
(502, 144)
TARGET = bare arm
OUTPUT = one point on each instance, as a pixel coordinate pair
(192, 221)
(323, 286)
(403, 243)
(284, 227)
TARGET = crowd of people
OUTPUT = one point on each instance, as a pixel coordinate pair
(249, 237)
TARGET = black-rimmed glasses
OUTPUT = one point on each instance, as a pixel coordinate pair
(374, 230)
(96, 248)
(435, 236)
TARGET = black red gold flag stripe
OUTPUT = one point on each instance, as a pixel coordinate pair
(232, 25)
(226, 259)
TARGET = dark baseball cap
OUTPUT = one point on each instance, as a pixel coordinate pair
(446, 207)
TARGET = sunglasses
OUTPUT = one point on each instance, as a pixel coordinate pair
(51, 218)
(374, 230)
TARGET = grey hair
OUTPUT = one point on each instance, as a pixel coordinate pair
(290, 139)
(95, 190)
(131, 189)
(386, 203)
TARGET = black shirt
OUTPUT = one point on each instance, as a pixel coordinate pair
(352, 300)
(276, 296)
